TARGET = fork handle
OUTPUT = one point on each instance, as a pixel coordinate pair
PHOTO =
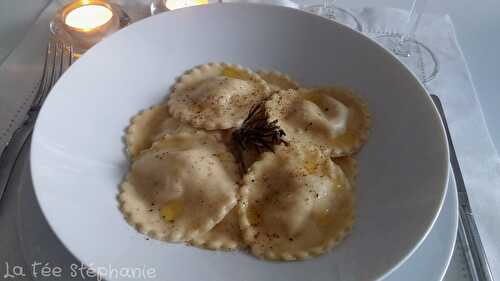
(11, 153)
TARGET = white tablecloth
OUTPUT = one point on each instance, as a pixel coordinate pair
(476, 153)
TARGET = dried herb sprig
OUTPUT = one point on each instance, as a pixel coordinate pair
(257, 133)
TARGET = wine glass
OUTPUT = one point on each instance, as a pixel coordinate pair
(414, 54)
(159, 6)
(330, 11)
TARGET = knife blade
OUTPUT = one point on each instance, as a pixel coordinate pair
(467, 230)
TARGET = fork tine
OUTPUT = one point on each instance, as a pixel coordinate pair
(61, 64)
(53, 70)
(65, 59)
(70, 55)
(59, 56)
(45, 71)
(49, 74)
(57, 65)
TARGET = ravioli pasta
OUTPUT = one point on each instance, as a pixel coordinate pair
(216, 96)
(331, 118)
(144, 128)
(295, 203)
(349, 167)
(277, 81)
(237, 159)
(181, 187)
(152, 124)
(226, 235)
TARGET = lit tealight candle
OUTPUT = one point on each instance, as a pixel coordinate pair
(83, 23)
(88, 17)
(177, 4)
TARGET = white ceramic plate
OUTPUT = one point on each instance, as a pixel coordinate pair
(78, 159)
(429, 262)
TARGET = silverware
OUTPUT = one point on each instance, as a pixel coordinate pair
(467, 229)
(58, 57)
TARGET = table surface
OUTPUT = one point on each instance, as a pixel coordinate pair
(477, 24)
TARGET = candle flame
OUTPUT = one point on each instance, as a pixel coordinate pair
(88, 17)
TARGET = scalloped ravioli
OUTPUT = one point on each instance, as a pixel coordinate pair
(349, 167)
(277, 81)
(226, 235)
(181, 187)
(294, 204)
(331, 118)
(152, 124)
(216, 96)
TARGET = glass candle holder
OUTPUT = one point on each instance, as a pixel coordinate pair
(83, 23)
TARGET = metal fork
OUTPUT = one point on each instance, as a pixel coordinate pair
(58, 57)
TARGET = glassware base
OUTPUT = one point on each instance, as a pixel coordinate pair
(337, 14)
(415, 55)
(157, 6)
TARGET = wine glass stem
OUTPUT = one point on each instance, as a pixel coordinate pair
(417, 8)
(328, 8)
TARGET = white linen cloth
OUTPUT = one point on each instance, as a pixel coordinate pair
(476, 152)
(478, 158)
